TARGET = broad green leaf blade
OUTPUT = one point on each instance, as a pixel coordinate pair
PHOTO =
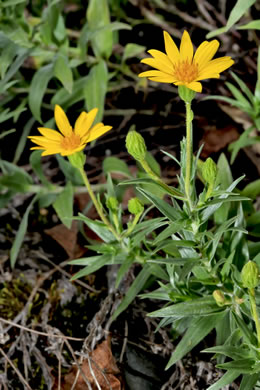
(98, 16)
(114, 164)
(21, 233)
(133, 291)
(37, 90)
(225, 380)
(95, 88)
(194, 307)
(238, 11)
(132, 50)
(63, 72)
(71, 173)
(199, 328)
(63, 205)
(252, 190)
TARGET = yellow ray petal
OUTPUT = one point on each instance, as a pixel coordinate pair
(79, 124)
(48, 152)
(50, 134)
(97, 132)
(186, 48)
(37, 148)
(41, 141)
(158, 55)
(163, 79)
(205, 52)
(83, 123)
(170, 48)
(69, 152)
(207, 75)
(155, 63)
(62, 121)
(218, 65)
(195, 86)
(152, 73)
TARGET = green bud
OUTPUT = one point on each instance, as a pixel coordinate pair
(112, 203)
(249, 275)
(135, 145)
(219, 297)
(135, 206)
(209, 171)
(186, 94)
(77, 159)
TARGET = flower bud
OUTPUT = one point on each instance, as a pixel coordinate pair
(209, 171)
(249, 275)
(186, 94)
(112, 203)
(219, 297)
(135, 145)
(135, 206)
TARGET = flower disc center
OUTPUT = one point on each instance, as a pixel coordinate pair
(186, 71)
(71, 142)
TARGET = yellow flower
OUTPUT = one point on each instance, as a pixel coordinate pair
(69, 141)
(181, 67)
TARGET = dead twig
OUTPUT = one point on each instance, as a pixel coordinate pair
(25, 383)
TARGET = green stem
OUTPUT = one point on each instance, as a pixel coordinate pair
(158, 180)
(254, 313)
(188, 151)
(97, 205)
(133, 224)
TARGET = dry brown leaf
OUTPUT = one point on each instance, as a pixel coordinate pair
(215, 140)
(103, 366)
(67, 238)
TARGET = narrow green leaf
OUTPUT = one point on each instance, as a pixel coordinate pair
(194, 307)
(99, 263)
(225, 380)
(198, 329)
(238, 95)
(98, 227)
(38, 87)
(243, 87)
(95, 88)
(228, 350)
(167, 210)
(255, 25)
(216, 32)
(21, 233)
(133, 291)
(35, 161)
(8, 54)
(238, 11)
(63, 72)
(63, 205)
(244, 365)
(249, 381)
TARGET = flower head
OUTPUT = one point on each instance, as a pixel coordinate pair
(69, 141)
(181, 67)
